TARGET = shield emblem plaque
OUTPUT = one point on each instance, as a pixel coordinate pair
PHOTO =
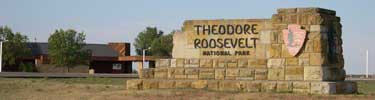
(294, 38)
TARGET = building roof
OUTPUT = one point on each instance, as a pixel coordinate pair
(97, 50)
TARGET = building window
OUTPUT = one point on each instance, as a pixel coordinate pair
(116, 66)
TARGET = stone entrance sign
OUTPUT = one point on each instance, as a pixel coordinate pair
(220, 38)
(298, 50)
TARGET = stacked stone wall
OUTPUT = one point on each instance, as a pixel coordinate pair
(321, 57)
(317, 68)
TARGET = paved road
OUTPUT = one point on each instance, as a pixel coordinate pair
(62, 75)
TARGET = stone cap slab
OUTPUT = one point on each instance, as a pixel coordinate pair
(307, 10)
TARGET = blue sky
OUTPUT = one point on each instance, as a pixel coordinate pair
(120, 20)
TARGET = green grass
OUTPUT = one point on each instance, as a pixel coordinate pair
(90, 80)
(366, 87)
(115, 88)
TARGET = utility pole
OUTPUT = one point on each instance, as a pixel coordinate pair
(366, 63)
(1, 52)
(1, 55)
(144, 56)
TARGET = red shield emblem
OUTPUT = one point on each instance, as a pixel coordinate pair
(294, 38)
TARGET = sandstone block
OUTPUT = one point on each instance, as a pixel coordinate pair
(316, 59)
(260, 66)
(274, 37)
(276, 74)
(316, 10)
(303, 55)
(313, 36)
(215, 63)
(206, 74)
(166, 84)
(242, 63)
(251, 86)
(318, 45)
(213, 85)
(180, 76)
(206, 63)
(191, 71)
(269, 86)
(232, 63)
(310, 18)
(247, 74)
(180, 62)
(281, 38)
(285, 52)
(284, 87)
(150, 84)
(292, 61)
(261, 61)
(170, 73)
(301, 87)
(318, 28)
(161, 69)
(179, 71)
(147, 73)
(276, 18)
(275, 50)
(303, 61)
(294, 73)
(287, 10)
(157, 63)
(219, 74)
(231, 73)
(308, 46)
(191, 63)
(161, 75)
(162, 63)
(173, 62)
(323, 87)
(289, 18)
(134, 84)
(265, 37)
(251, 63)
(313, 73)
(221, 63)
(206, 70)
(230, 86)
(261, 74)
(261, 51)
(182, 84)
(192, 76)
(276, 63)
(199, 84)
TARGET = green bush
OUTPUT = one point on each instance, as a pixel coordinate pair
(26, 67)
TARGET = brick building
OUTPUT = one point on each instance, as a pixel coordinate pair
(105, 58)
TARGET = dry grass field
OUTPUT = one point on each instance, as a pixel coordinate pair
(114, 89)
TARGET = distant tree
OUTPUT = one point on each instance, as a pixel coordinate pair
(145, 38)
(65, 48)
(14, 47)
(162, 46)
